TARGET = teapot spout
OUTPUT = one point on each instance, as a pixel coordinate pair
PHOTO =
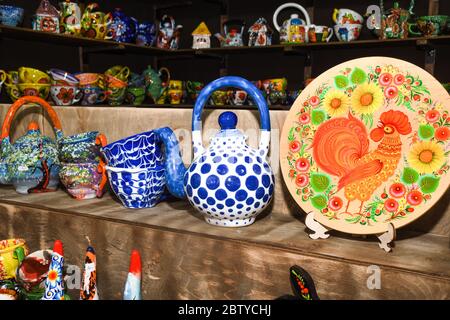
(174, 166)
(219, 37)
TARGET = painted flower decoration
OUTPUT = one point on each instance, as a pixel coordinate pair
(385, 79)
(335, 203)
(52, 275)
(391, 205)
(294, 146)
(426, 156)
(442, 133)
(432, 116)
(304, 118)
(302, 164)
(367, 98)
(65, 95)
(302, 180)
(336, 103)
(399, 79)
(414, 198)
(391, 92)
(314, 101)
(397, 190)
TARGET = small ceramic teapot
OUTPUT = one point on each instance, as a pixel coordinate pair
(168, 34)
(70, 18)
(233, 36)
(394, 21)
(94, 24)
(229, 182)
(294, 30)
(122, 28)
(157, 82)
(31, 164)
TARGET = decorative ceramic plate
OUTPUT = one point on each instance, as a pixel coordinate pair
(367, 144)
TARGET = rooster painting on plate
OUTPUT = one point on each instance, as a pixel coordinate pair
(341, 148)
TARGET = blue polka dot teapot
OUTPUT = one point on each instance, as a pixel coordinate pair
(230, 182)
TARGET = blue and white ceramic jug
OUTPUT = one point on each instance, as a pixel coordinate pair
(230, 182)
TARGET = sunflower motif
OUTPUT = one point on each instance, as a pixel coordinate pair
(426, 156)
(336, 103)
(367, 98)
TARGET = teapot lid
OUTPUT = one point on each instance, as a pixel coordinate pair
(228, 121)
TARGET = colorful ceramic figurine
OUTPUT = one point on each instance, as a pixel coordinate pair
(168, 34)
(94, 24)
(132, 289)
(46, 18)
(201, 37)
(122, 28)
(70, 18)
(294, 30)
(233, 36)
(31, 164)
(394, 22)
(54, 284)
(229, 182)
(260, 34)
(89, 289)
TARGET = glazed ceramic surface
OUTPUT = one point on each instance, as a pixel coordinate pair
(54, 283)
(35, 90)
(366, 145)
(428, 26)
(70, 18)
(31, 164)
(81, 148)
(46, 18)
(168, 33)
(394, 22)
(92, 95)
(83, 180)
(260, 34)
(63, 78)
(146, 34)
(319, 33)
(156, 82)
(122, 28)
(94, 24)
(229, 182)
(65, 95)
(11, 15)
(233, 37)
(293, 30)
(347, 16)
(347, 32)
(34, 269)
(201, 37)
(135, 96)
(12, 252)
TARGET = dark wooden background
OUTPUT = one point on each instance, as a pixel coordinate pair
(16, 53)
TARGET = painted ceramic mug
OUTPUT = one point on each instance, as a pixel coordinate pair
(176, 85)
(238, 97)
(31, 75)
(193, 89)
(92, 95)
(62, 78)
(347, 32)
(12, 253)
(428, 26)
(116, 95)
(175, 96)
(34, 89)
(219, 98)
(83, 180)
(120, 72)
(91, 79)
(65, 95)
(135, 96)
(319, 33)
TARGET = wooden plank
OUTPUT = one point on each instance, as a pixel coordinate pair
(192, 266)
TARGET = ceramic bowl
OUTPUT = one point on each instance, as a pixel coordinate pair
(65, 95)
(90, 79)
(11, 15)
(137, 188)
(63, 78)
(34, 268)
(137, 151)
(34, 89)
(82, 180)
(31, 75)
(347, 32)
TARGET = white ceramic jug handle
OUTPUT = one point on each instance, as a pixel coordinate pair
(290, 5)
(330, 30)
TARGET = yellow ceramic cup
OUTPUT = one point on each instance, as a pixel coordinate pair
(175, 96)
(30, 75)
(34, 89)
(12, 252)
(176, 85)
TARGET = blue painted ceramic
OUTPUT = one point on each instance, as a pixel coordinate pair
(230, 182)
(146, 34)
(122, 27)
(11, 15)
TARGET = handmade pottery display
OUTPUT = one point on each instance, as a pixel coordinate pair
(229, 182)
(394, 22)
(12, 253)
(122, 28)
(428, 26)
(65, 95)
(139, 171)
(201, 37)
(294, 30)
(359, 154)
(146, 34)
(31, 164)
(319, 33)
(219, 98)
(168, 33)
(70, 18)
(11, 15)
(233, 37)
(260, 34)
(156, 83)
(94, 24)
(346, 16)
(347, 32)
(46, 18)
(83, 180)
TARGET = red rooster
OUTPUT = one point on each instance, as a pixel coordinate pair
(341, 148)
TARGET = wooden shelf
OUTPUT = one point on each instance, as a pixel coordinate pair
(184, 106)
(94, 45)
(182, 254)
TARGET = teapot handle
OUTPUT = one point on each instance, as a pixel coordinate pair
(16, 106)
(290, 5)
(253, 92)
